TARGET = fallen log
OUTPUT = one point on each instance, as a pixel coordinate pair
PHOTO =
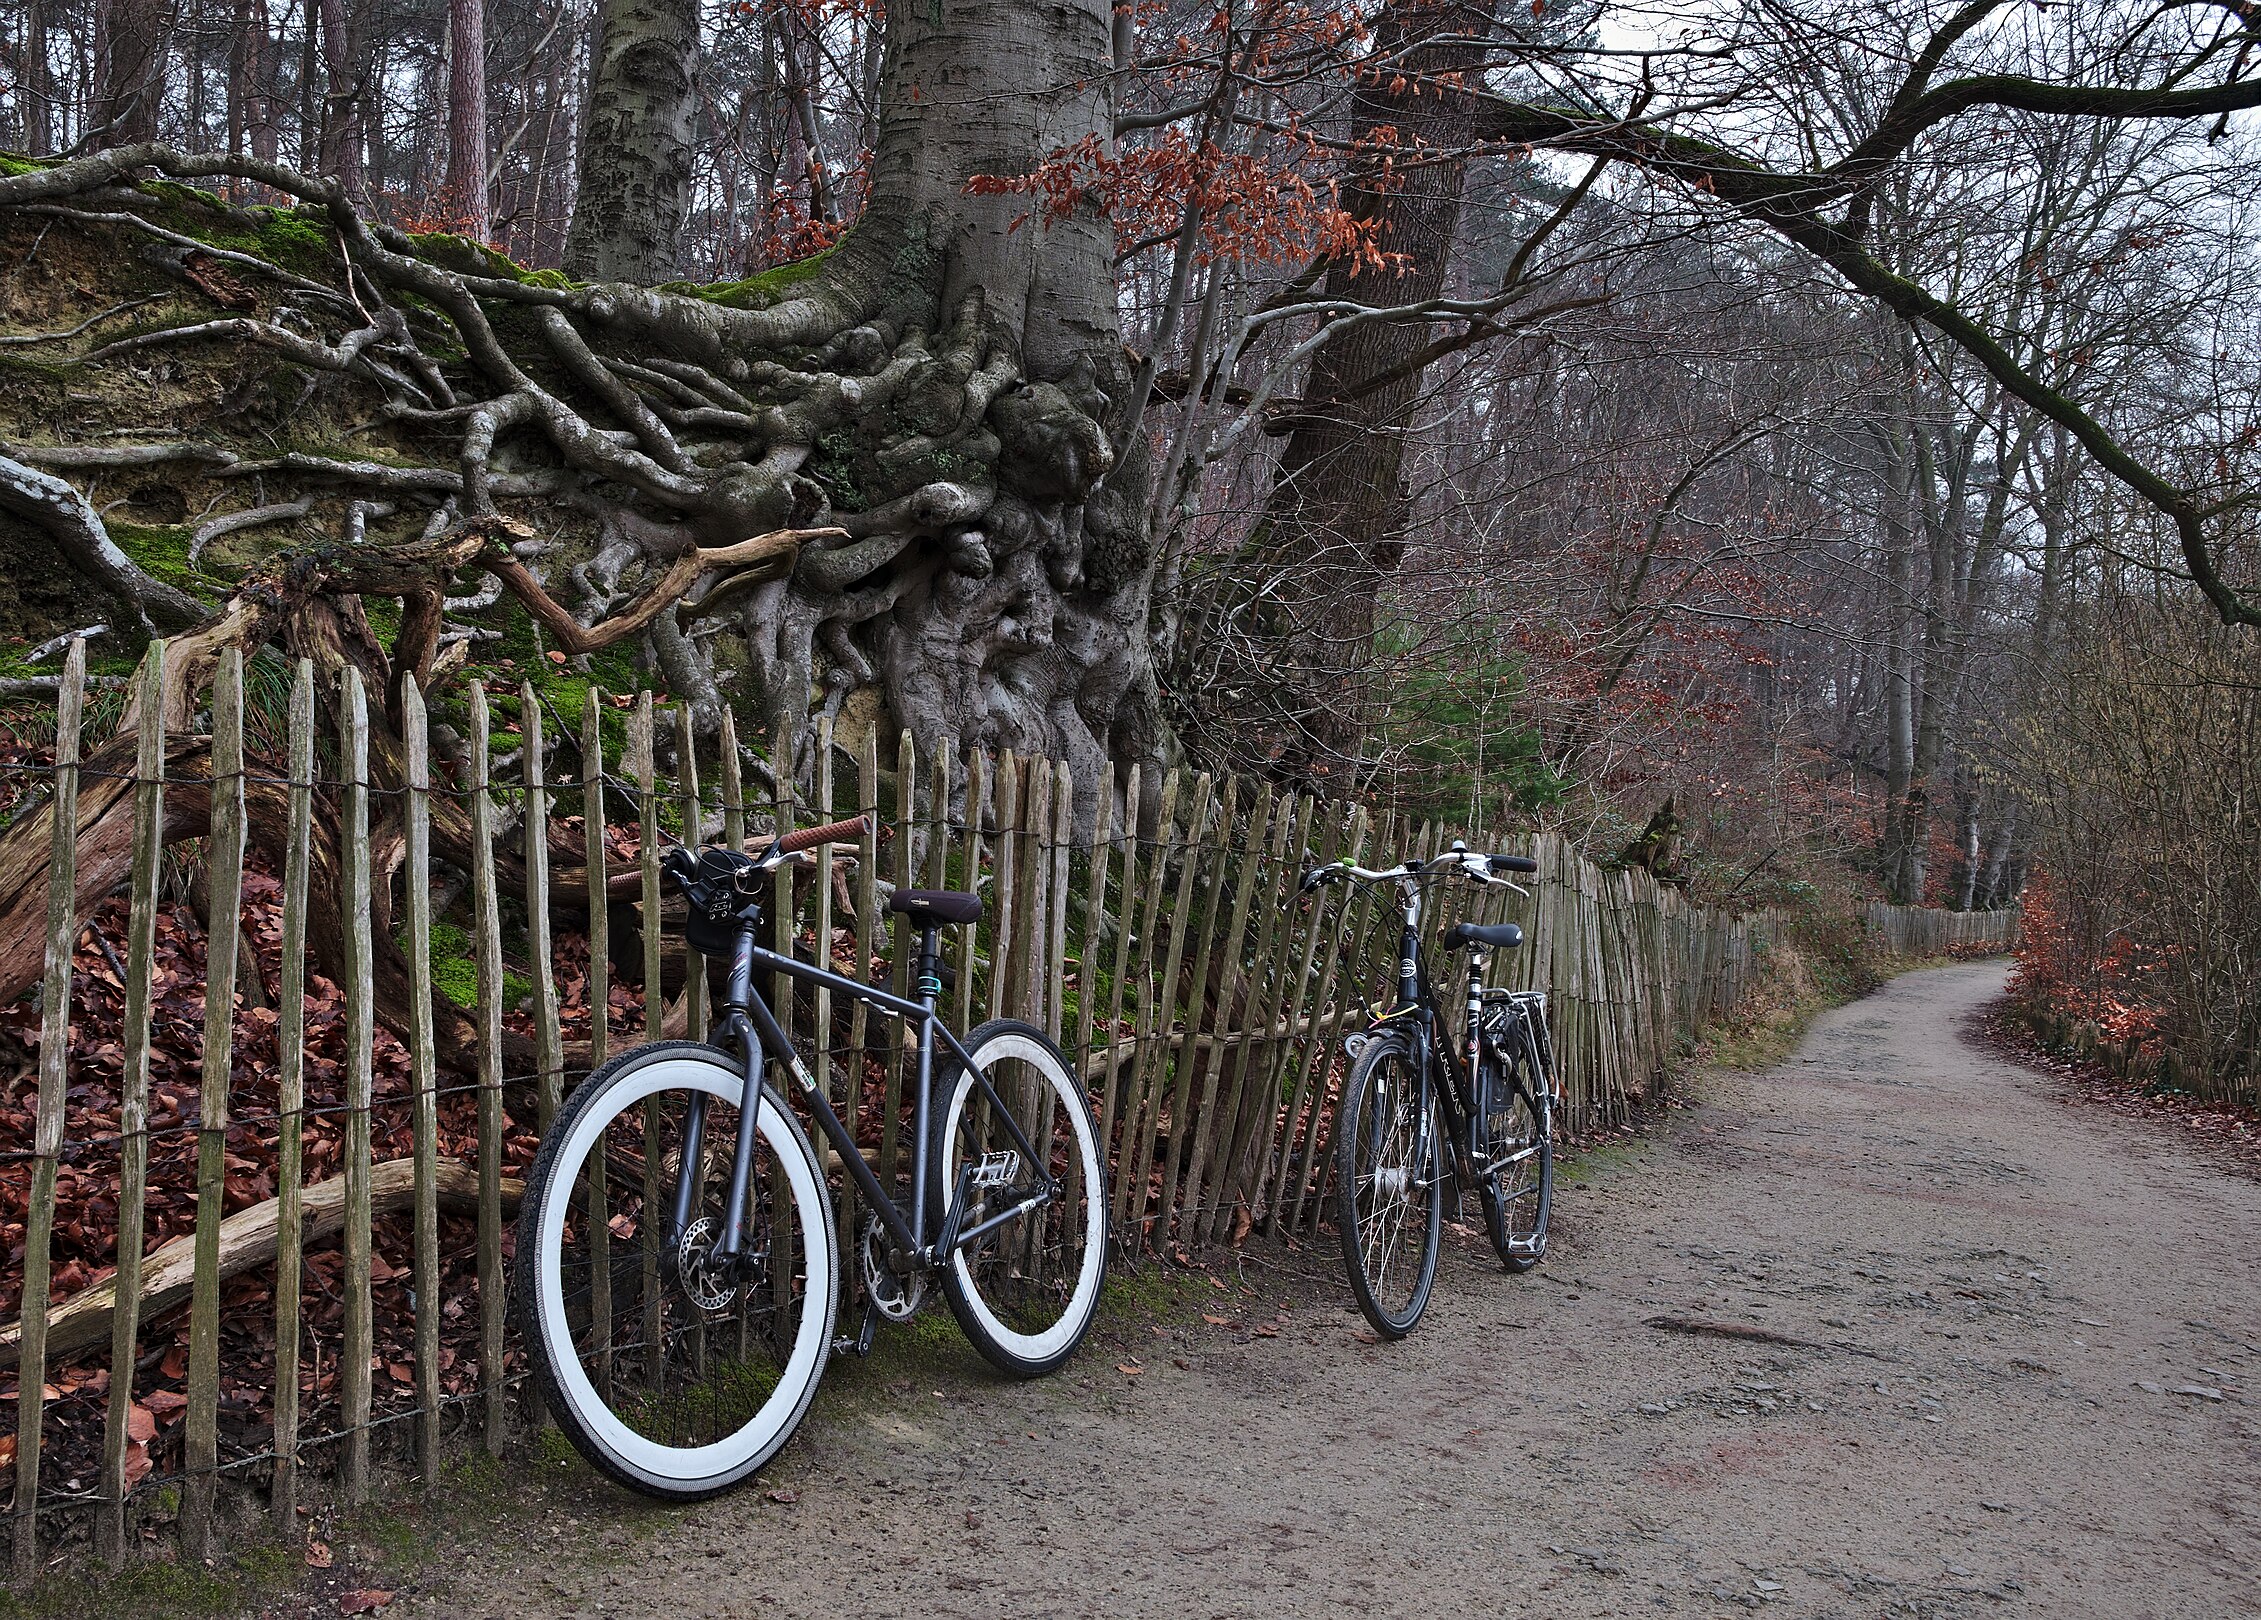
(248, 1239)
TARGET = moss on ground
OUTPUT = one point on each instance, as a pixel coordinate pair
(454, 974)
(160, 548)
(160, 1589)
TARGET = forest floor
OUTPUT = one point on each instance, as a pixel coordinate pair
(1895, 1327)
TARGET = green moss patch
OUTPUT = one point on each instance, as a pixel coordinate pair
(454, 974)
(757, 291)
(161, 548)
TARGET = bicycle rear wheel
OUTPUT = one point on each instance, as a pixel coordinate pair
(673, 1374)
(1389, 1195)
(1026, 1289)
(1515, 1169)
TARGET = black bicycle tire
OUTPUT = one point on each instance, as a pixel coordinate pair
(557, 1401)
(1351, 1111)
(1515, 1259)
(998, 1354)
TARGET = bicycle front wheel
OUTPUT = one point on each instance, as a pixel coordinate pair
(674, 1373)
(1023, 1279)
(1389, 1195)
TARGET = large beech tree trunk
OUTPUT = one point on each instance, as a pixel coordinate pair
(997, 584)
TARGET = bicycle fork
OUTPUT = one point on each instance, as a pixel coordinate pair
(740, 1014)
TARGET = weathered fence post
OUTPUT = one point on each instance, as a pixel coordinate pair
(223, 908)
(290, 1107)
(47, 1128)
(549, 1043)
(423, 1073)
(355, 1348)
(133, 1105)
(486, 948)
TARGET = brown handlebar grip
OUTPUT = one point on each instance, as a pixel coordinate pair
(832, 832)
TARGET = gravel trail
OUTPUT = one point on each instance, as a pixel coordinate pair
(2010, 1373)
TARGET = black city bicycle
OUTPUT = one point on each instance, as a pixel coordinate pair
(678, 1268)
(1409, 1095)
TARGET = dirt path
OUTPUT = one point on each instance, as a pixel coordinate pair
(2005, 1303)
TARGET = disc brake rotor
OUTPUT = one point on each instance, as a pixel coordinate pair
(709, 1283)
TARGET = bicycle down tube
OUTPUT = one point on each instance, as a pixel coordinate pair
(751, 1020)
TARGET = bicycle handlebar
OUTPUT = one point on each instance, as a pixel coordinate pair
(1481, 868)
(832, 832)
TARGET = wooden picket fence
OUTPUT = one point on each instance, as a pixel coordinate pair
(1162, 944)
(1931, 931)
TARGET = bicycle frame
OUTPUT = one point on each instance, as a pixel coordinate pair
(747, 1017)
(1434, 1059)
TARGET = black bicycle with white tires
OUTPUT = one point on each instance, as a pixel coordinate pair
(1410, 1095)
(678, 1271)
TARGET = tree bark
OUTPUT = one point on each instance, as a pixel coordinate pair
(1339, 507)
(129, 68)
(344, 142)
(997, 586)
(635, 173)
(464, 191)
(38, 83)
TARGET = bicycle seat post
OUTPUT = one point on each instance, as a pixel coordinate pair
(929, 987)
(929, 991)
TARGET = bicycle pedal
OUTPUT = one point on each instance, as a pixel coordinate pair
(998, 1169)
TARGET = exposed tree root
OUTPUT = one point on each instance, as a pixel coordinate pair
(783, 496)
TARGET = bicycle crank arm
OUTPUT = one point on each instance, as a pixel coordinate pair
(866, 1335)
(946, 1240)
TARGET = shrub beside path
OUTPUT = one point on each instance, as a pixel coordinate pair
(1887, 1330)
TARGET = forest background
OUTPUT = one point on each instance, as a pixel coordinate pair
(1809, 456)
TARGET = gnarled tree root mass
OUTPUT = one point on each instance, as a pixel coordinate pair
(836, 479)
